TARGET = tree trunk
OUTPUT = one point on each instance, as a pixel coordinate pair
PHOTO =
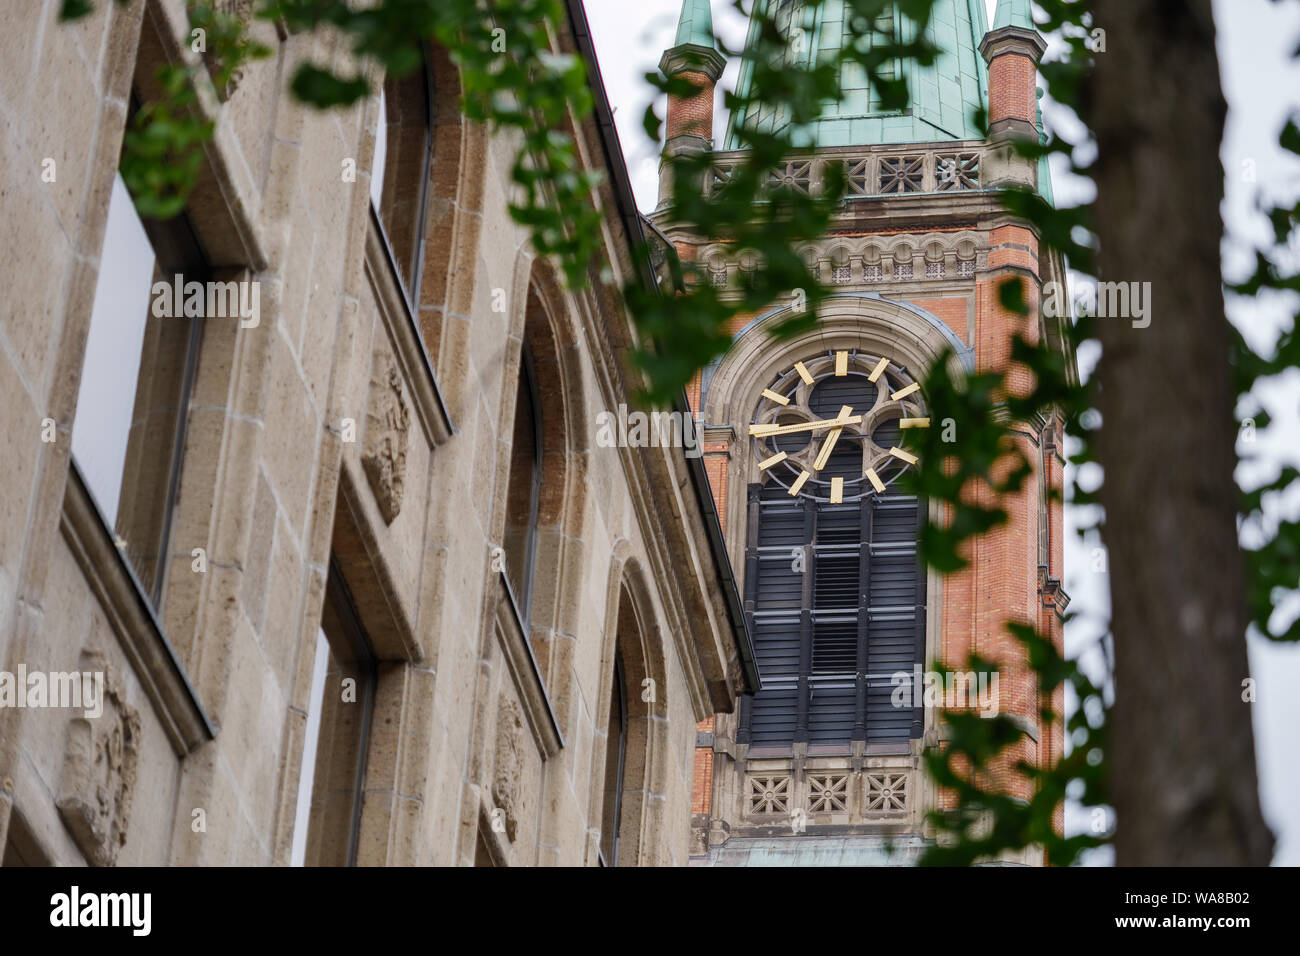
(1182, 749)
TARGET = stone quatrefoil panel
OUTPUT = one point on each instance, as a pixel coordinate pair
(882, 793)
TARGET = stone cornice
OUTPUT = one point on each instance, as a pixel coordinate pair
(1013, 40)
(693, 58)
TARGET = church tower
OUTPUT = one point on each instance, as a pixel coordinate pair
(802, 444)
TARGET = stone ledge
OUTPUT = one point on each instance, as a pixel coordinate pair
(134, 623)
(524, 672)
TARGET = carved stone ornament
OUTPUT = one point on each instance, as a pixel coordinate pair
(99, 770)
(388, 422)
(241, 10)
(508, 765)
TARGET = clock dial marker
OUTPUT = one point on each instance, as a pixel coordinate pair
(837, 491)
(799, 482)
(875, 481)
(903, 455)
(841, 363)
(774, 397)
(904, 392)
(878, 370)
(914, 423)
(803, 373)
(774, 460)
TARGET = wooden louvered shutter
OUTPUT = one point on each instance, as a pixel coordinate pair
(829, 641)
(895, 615)
(836, 603)
(775, 601)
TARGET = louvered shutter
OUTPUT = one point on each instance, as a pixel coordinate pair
(775, 597)
(837, 581)
(829, 641)
(895, 615)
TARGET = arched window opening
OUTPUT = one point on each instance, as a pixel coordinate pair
(615, 761)
(399, 184)
(832, 570)
(523, 492)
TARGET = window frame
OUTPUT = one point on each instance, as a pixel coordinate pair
(410, 288)
(176, 250)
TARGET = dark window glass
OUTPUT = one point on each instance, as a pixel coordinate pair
(400, 177)
(343, 710)
(523, 491)
(615, 755)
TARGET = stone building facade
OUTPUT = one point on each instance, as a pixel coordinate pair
(823, 766)
(354, 577)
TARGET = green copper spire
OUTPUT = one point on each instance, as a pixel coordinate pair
(695, 25)
(944, 95)
(1013, 13)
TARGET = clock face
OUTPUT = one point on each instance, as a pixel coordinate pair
(830, 427)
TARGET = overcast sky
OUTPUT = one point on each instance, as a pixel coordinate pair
(1261, 84)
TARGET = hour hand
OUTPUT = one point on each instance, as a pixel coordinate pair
(832, 438)
(763, 431)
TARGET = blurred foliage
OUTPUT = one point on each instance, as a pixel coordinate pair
(1273, 565)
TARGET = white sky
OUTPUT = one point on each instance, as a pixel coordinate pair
(108, 379)
(1256, 39)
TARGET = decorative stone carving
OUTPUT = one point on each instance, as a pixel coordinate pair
(99, 770)
(241, 10)
(934, 256)
(885, 792)
(902, 174)
(769, 794)
(881, 171)
(509, 764)
(828, 793)
(388, 423)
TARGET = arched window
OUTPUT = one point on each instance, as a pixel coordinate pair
(399, 184)
(615, 760)
(523, 490)
(832, 572)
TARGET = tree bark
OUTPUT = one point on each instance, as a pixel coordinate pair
(1182, 749)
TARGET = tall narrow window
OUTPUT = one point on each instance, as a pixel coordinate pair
(344, 686)
(615, 757)
(1044, 512)
(133, 400)
(399, 185)
(310, 747)
(381, 154)
(523, 491)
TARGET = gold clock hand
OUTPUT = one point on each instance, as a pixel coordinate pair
(832, 438)
(764, 431)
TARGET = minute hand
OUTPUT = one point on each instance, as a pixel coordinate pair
(762, 431)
